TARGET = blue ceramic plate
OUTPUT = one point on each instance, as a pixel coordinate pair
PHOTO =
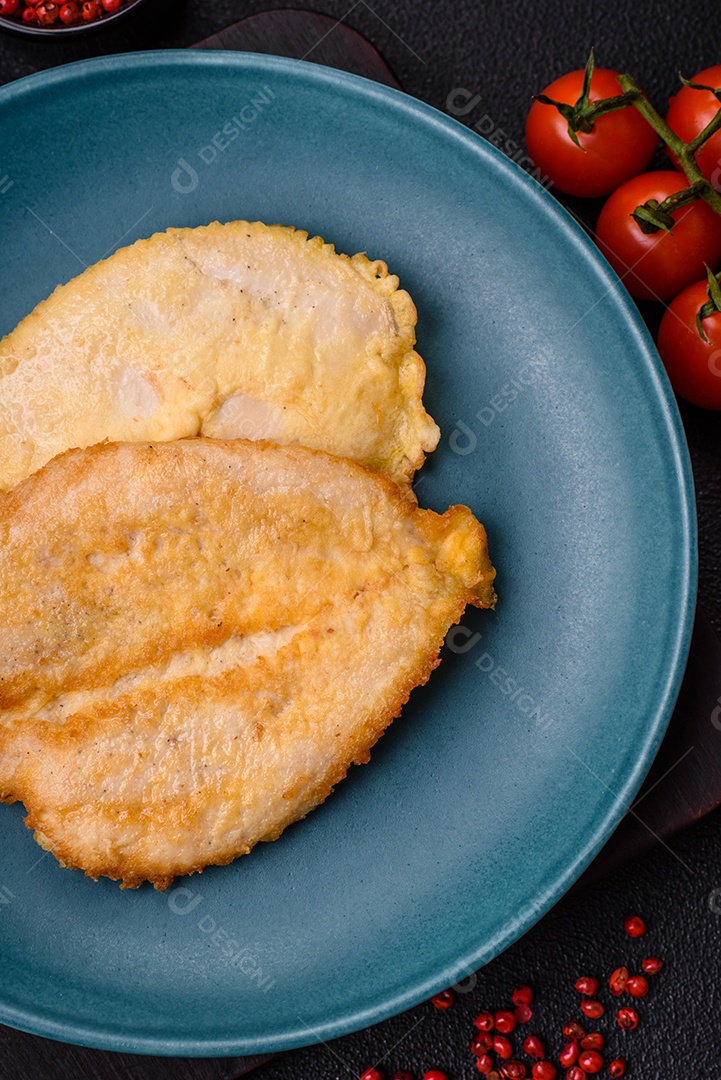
(510, 769)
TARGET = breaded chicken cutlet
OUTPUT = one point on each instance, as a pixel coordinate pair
(200, 637)
(237, 330)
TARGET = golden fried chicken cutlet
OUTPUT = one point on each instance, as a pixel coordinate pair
(234, 330)
(200, 637)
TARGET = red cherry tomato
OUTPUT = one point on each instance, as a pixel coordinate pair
(69, 13)
(689, 111)
(658, 265)
(693, 365)
(8, 7)
(111, 5)
(619, 147)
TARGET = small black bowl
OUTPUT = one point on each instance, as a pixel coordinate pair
(59, 31)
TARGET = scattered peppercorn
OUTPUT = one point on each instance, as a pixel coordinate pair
(590, 1061)
(617, 982)
(522, 1013)
(502, 1046)
(522, 995)
(505, 1021)
(580, 1057)
(569, 1055)
(592, 1008)
(481, 1043)
(534, 1047)
(573, 1030)
(514, 1070)
(627, 1019)
(485, 1022)
(543, 1070)
(637, 986)
(635, 926)
(444, 1000)
(592, 1041)
(574, 1073)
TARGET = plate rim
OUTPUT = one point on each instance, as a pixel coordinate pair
(679, 466)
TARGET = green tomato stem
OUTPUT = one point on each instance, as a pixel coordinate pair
(652, 215)
(685, 152)
(583, 114)
(712, 305)
(711, 128)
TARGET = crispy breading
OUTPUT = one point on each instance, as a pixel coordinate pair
(231, 330)
(200, 637)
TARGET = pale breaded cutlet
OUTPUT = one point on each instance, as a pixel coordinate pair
(237, 330)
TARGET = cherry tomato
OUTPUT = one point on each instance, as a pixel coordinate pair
(657, 266)
(693, 365)
(619, 147)
(8, 7)
(689, 111)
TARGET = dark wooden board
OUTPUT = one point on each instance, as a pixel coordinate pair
(305, 35)
(684, 783)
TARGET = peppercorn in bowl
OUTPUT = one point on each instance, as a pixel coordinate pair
(55, 18)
